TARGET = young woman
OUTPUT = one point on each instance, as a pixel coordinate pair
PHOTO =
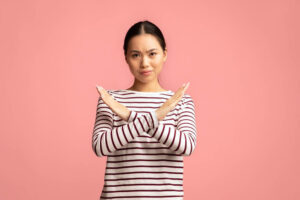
(144, 130)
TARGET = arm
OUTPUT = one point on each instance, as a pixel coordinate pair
(107, 139)
(180, 139)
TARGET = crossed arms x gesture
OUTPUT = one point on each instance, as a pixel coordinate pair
(123, 112)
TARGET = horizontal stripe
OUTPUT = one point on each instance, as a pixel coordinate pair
(144, 155)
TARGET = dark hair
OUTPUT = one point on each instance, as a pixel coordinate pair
(143, 27)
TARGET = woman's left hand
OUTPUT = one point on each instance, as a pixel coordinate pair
(122, 111)
(171, 102)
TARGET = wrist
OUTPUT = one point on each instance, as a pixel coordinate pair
(157, 113)
(155, 118)
(132, 115)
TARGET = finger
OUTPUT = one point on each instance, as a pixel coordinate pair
(179, 91)
(182, 87)
(186, 87)
(100, 89)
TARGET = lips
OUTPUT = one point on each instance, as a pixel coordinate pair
(145, 71)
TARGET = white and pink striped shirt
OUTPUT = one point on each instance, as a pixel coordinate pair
(144, 155)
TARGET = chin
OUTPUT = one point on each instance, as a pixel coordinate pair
(145, 80)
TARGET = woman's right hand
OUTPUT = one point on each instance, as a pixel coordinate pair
(122, 111)
(171, 102)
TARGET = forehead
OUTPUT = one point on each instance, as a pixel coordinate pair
(143, 42)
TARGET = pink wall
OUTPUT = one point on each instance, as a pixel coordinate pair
(241, 57)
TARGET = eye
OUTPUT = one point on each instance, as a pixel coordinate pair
(133, 55)
(153, 53)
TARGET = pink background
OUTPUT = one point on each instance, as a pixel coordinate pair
(241, 58)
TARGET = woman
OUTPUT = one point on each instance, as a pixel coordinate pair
(144, 130)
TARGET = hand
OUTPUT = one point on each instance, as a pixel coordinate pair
(171, 102)
(122, 111)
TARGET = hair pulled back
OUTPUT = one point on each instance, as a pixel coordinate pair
(143, 27)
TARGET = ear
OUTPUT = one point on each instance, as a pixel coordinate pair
(165, 55)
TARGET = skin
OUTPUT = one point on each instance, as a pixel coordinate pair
(139, 58)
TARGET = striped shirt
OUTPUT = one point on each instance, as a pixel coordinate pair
(144, 155)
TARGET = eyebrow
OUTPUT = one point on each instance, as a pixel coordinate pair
(139, 51)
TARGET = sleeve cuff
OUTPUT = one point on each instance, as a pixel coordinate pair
(154, 118)
(132, 116)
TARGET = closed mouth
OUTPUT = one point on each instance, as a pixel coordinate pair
(145, 71)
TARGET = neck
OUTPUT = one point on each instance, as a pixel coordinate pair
(146, 87)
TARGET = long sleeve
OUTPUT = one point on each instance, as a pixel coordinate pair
(180, 139)
(107, 139)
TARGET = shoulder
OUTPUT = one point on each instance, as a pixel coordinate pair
(116, 94)
(110, 92)
(187, 98)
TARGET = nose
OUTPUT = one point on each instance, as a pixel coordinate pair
(144, 62)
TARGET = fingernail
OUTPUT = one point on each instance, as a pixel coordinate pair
(183, 85)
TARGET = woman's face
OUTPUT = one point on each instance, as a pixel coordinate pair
(144, 54)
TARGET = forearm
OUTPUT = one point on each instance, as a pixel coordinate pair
(182, 141)
(119, 109)
(107, 140)
(180, 138)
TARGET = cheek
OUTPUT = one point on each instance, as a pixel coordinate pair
(158, 64)
(158, 69)
(133, 68)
